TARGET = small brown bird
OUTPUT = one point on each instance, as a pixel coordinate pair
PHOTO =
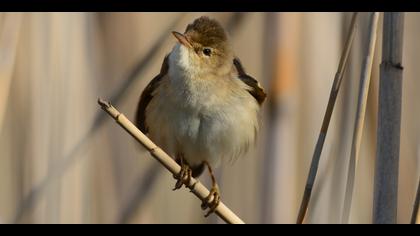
(202, 107)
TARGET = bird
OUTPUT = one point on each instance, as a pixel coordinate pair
(202, 108)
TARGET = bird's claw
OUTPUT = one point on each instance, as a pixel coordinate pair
(215, 194)
(184, 177)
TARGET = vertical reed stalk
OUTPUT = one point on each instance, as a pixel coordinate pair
(389, 121)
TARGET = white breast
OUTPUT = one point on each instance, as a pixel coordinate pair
(202, 118)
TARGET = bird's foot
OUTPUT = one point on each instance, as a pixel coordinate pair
(215, 194)
(183, 177)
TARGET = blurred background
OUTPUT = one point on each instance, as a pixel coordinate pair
(63, 160)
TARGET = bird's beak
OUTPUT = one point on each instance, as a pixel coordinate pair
(182, 39)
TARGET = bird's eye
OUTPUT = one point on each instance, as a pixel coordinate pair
(207, 51)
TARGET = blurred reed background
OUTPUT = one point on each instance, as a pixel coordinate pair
(62, 160)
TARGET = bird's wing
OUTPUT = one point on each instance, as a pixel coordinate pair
(255, 89)
(147, 96)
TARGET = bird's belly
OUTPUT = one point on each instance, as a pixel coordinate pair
(219, 131)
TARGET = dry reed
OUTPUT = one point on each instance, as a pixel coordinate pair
(196, 187)
(327, 117)
(360, 114)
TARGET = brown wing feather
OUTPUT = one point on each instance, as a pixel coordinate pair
(147, 96)
(256, 90)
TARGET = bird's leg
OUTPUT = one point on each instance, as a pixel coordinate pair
(214, 192)
(184, 176)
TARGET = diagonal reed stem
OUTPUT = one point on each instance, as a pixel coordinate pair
(61, 165)
(327, 117)
(146, 181)
(196, 187)
(360, 114)
(57, 169)
(416, 205)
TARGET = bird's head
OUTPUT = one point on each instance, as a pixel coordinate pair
(204, 47)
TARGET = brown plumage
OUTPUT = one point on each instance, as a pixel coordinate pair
(256, 91)
(214, 33)
(202, 107)
(147, 95)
